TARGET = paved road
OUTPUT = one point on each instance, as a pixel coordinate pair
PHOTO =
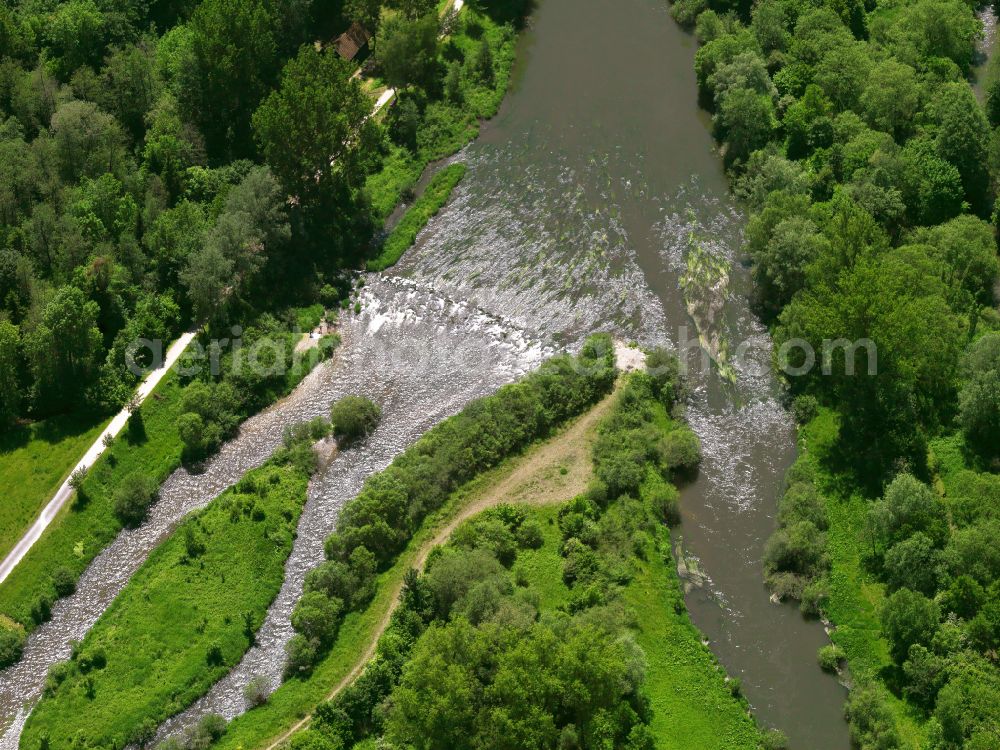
(65, 492)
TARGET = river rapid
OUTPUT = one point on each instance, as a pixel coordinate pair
(575, 216)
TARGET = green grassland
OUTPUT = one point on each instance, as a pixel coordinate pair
(89, 524)
(405, 233)
(34, 461)
(150, 445)
(184, 620)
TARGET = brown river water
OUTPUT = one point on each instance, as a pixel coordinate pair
(574, 217)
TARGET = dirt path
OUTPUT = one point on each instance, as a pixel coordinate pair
(552, 472)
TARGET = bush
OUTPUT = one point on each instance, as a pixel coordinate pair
(664, 371)
(805, 408)
(317, 616)
(12, 638)
(814, 596)
(979, 399)
(621, 471)
(908, 618)
(681, 450)
(64, 581)
(353, 418)
(686, 12)
(133, 497)
(405, 122)
(300, 653)
(913, 564)
(209, 730)
(256, 691)
(663, 501)
(802, 502)
(870, 719)
(774, 739)
(831, 657)
(795, 555)
(798, 549)
(529, 535)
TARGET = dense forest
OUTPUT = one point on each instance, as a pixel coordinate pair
(165, 164)
(870, 171)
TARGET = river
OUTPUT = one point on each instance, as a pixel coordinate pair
(573, 217)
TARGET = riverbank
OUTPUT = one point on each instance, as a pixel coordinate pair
(186, 617)
(432, 200)
(524, 474)
(149, 444)
(886, 562)
(853, 597)
(693, 705)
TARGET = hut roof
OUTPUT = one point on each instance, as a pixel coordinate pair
(352, 41)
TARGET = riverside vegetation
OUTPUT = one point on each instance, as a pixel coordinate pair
(186, 617)
(151, 151)
(184, 421)
(561, 627)
(345, 595)
(870, 172)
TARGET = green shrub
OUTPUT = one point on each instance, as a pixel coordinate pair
(529, 534)
(256, 691)
(681, 450)
(300, 656)
(353, 418)
(870, 718)
(830, 657)
(805, 408)
(405, 233)
(798, 549)
(795, 555)
(316, 616)
(774, 739)
(663, 501)
(12, 638)
(63, 580)
(664, 370)
(133, 497)
(686, 12)
(814, 597)
(802, 502)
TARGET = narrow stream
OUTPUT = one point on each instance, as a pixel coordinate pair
(573, 217)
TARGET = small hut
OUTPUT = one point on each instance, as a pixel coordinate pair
(353, 43)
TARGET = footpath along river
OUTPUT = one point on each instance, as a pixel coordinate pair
(575, 216)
